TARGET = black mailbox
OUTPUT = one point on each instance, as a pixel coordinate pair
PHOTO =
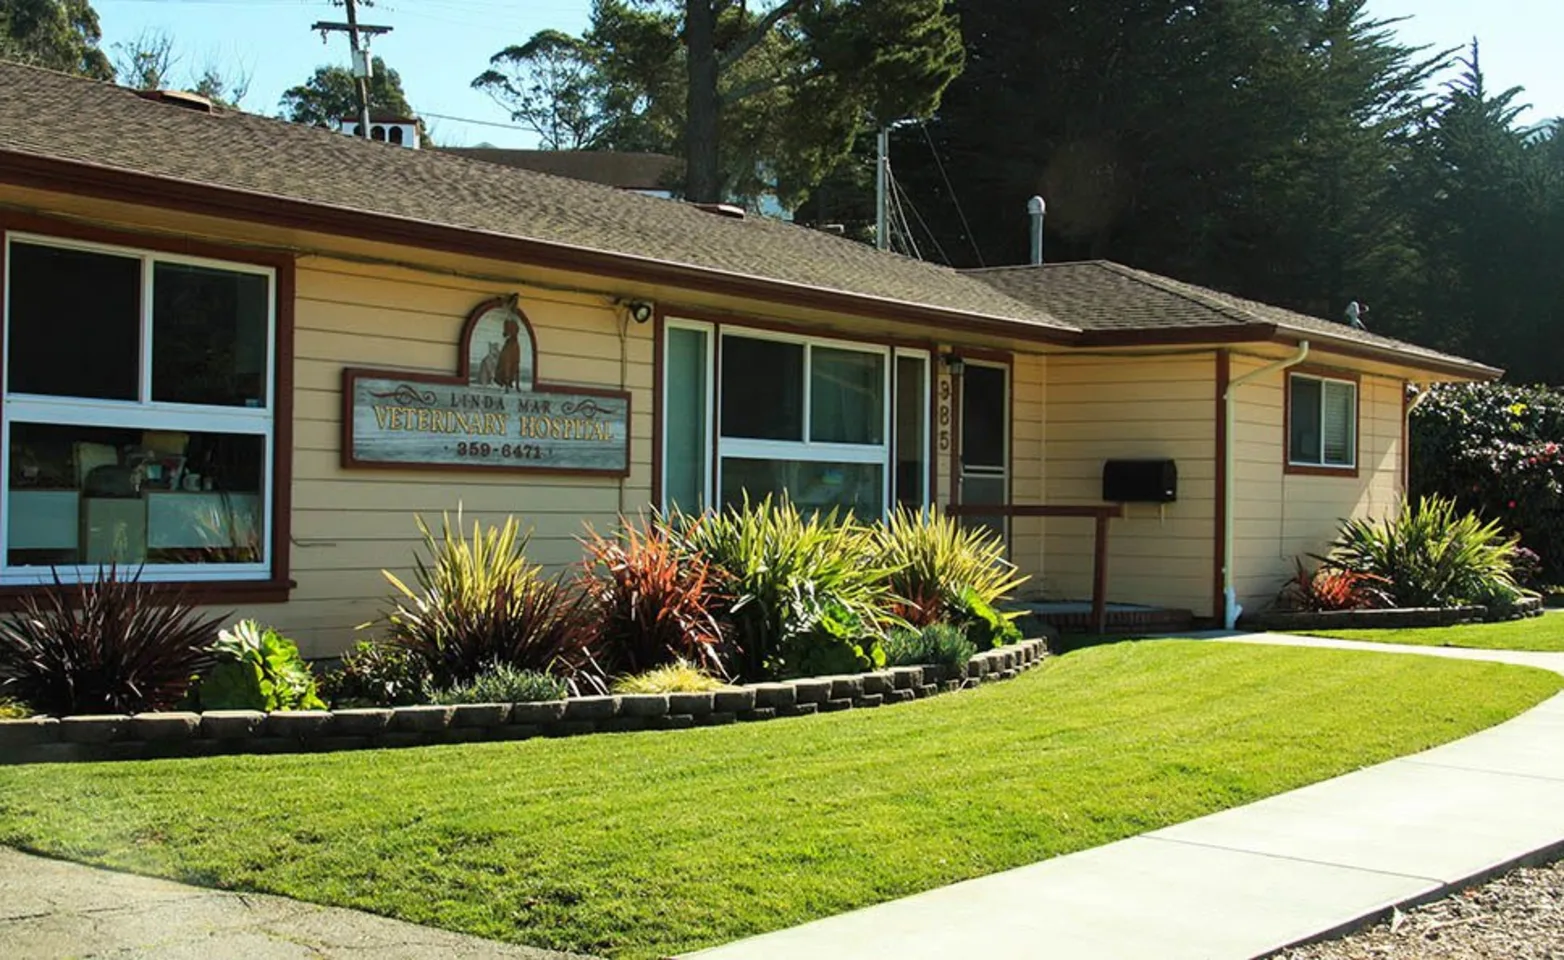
(1139, 481)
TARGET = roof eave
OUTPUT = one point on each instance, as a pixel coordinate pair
(117, 184)
(1450, 367)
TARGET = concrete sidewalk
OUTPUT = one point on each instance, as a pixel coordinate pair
(1248, 881)
(50, 908)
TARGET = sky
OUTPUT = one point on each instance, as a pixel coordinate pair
(438, 46)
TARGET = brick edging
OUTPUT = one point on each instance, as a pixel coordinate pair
(148, 736)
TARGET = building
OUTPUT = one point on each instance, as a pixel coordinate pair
(247, 353)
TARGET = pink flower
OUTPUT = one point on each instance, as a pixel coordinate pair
(1512, 504)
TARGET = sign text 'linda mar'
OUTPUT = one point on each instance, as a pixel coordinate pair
(493, 414)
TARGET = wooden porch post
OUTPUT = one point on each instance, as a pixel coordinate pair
(1100, 577)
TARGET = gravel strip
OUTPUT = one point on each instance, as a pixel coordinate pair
(1519, 916)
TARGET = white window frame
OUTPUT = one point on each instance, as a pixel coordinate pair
(141, 414)
(1352, 423)
(926, 388)
(806, 450)
(710, 332)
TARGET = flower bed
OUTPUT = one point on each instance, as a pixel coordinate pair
(181, 734)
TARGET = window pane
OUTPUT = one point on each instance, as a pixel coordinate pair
(813, 486)
(847, 396)
(75, 327)
(1303, 445)
(912, 442)
(97, 495)
(1340, 423)
(762, 389)
(684, 420)
(208, 336)
(983, 415)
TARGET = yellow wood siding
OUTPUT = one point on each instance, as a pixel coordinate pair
(1280, 516)
(1130, 407)
(350, 524)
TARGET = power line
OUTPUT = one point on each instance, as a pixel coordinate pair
(481, 123)
(952, 191)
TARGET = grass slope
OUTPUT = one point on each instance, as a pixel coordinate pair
(1544, 633)
(647, 844)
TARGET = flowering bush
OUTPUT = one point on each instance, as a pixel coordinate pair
(1497, 450)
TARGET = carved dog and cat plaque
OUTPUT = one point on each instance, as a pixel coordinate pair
(493, 414)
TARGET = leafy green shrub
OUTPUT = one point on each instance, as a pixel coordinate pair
(257, 669)
(680, 677)
(1497, 450)
(987, 627)
(934, 560)
(480, 602)
(1430, 555)
(944, 644)
(503, 683)
(375, 675)
(840, 642)
(106, 645)
(13, 709)
(793, 583)
(653, 602)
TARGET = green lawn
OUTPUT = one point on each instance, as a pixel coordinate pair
(646, 844)
(1545, 633)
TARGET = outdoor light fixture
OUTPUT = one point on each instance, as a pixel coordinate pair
(640, 310)
(955, 364)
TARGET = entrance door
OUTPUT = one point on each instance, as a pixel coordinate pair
(985, 440)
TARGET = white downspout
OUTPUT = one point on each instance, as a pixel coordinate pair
(1231, 609)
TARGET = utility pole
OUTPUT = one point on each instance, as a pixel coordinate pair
(361, 59)
(882, 167)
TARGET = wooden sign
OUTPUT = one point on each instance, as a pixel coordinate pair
(492, 415)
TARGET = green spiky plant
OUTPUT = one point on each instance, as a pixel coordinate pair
(802, 589)
(1430, 555)
(478, 601)
(938, 566)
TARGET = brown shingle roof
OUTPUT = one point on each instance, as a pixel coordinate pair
(1103, 297)
(612, 168)
(49, 115)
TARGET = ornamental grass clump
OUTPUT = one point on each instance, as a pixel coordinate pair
(653, 603)
(106, 645)
(804, 594)
(941, 644)
(1430, 555)
(478, 601)
(503, 683)
(680, 677)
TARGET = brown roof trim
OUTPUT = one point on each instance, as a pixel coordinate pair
(111, 183)
(1363, 351)
(1159, 336)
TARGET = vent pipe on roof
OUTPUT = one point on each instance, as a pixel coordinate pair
(1036, 208)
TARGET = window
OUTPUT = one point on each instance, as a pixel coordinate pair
(832, 424)
(1322, 422)
(137, 413)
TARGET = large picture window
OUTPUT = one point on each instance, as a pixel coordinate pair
(1322, 422)
(137, 413)
(833, 424)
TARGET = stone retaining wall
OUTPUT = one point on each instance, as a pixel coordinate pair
(151, 735)
(1394, 619)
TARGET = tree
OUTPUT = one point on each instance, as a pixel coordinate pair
(331, 95)
(552, 85)
(757, 100)
(146, 62)
(58, 34)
